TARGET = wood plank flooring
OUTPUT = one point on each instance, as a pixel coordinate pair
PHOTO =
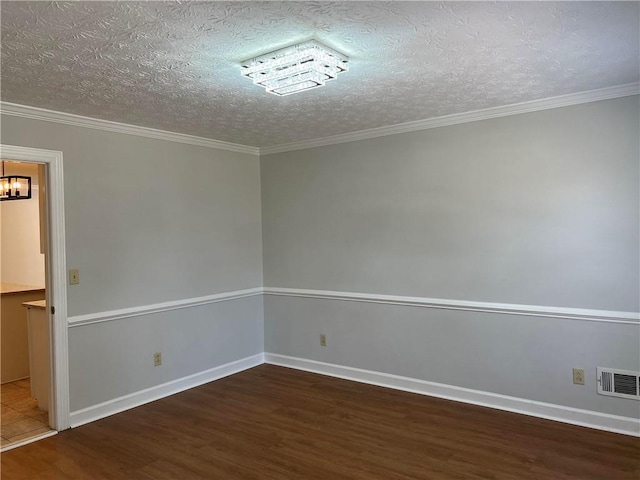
(276, 423)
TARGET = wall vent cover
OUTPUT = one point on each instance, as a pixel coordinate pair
(618, 383)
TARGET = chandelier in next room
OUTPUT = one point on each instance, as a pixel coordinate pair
(14, 187)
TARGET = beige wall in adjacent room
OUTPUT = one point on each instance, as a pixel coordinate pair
(20, 255)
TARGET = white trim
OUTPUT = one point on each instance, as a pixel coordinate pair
(34, 113)
(550, 411)
(466, 117)
(57, 278)
(588, 96)
(120, 404)
(584, 314)
(27, 441)
(110, 315)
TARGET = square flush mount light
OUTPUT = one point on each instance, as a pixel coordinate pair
(295, 68)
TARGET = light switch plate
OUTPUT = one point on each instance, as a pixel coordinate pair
(74, 277)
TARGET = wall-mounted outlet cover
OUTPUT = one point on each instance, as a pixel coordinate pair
(157, 359)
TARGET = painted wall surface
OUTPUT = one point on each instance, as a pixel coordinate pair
(534, 209)
(150, 221)
(538, 209)
(524, 357)
(191, 340)
(20, 255)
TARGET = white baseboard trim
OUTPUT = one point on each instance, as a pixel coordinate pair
(549, 411)
(126, 402)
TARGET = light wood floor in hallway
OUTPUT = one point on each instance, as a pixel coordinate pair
(20, 417)
(276, 423)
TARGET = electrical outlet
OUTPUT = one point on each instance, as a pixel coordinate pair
(74, 277)
(323, 340)
(578, 376)
(157, 359)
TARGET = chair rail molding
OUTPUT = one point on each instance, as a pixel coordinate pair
(584, 314)
(107, 316)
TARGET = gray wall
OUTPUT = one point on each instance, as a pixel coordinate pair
(525, 357)
(191, 340)
(150, 221)
(537, 209)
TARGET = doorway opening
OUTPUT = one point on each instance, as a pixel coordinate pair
(34, 394)
(24, 331)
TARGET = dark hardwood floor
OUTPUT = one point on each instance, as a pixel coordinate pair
(276, 423)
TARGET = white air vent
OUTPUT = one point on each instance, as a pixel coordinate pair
(619, 383)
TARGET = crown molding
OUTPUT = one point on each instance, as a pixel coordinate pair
(466, 117)
(588, 96)
(34, 113)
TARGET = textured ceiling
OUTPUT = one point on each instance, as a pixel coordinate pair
(175, 65)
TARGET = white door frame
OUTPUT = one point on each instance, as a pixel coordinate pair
(59, 407)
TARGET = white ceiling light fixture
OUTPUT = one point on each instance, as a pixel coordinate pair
(295, 68)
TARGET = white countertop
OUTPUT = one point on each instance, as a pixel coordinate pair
(17, 288)
(42, 304)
